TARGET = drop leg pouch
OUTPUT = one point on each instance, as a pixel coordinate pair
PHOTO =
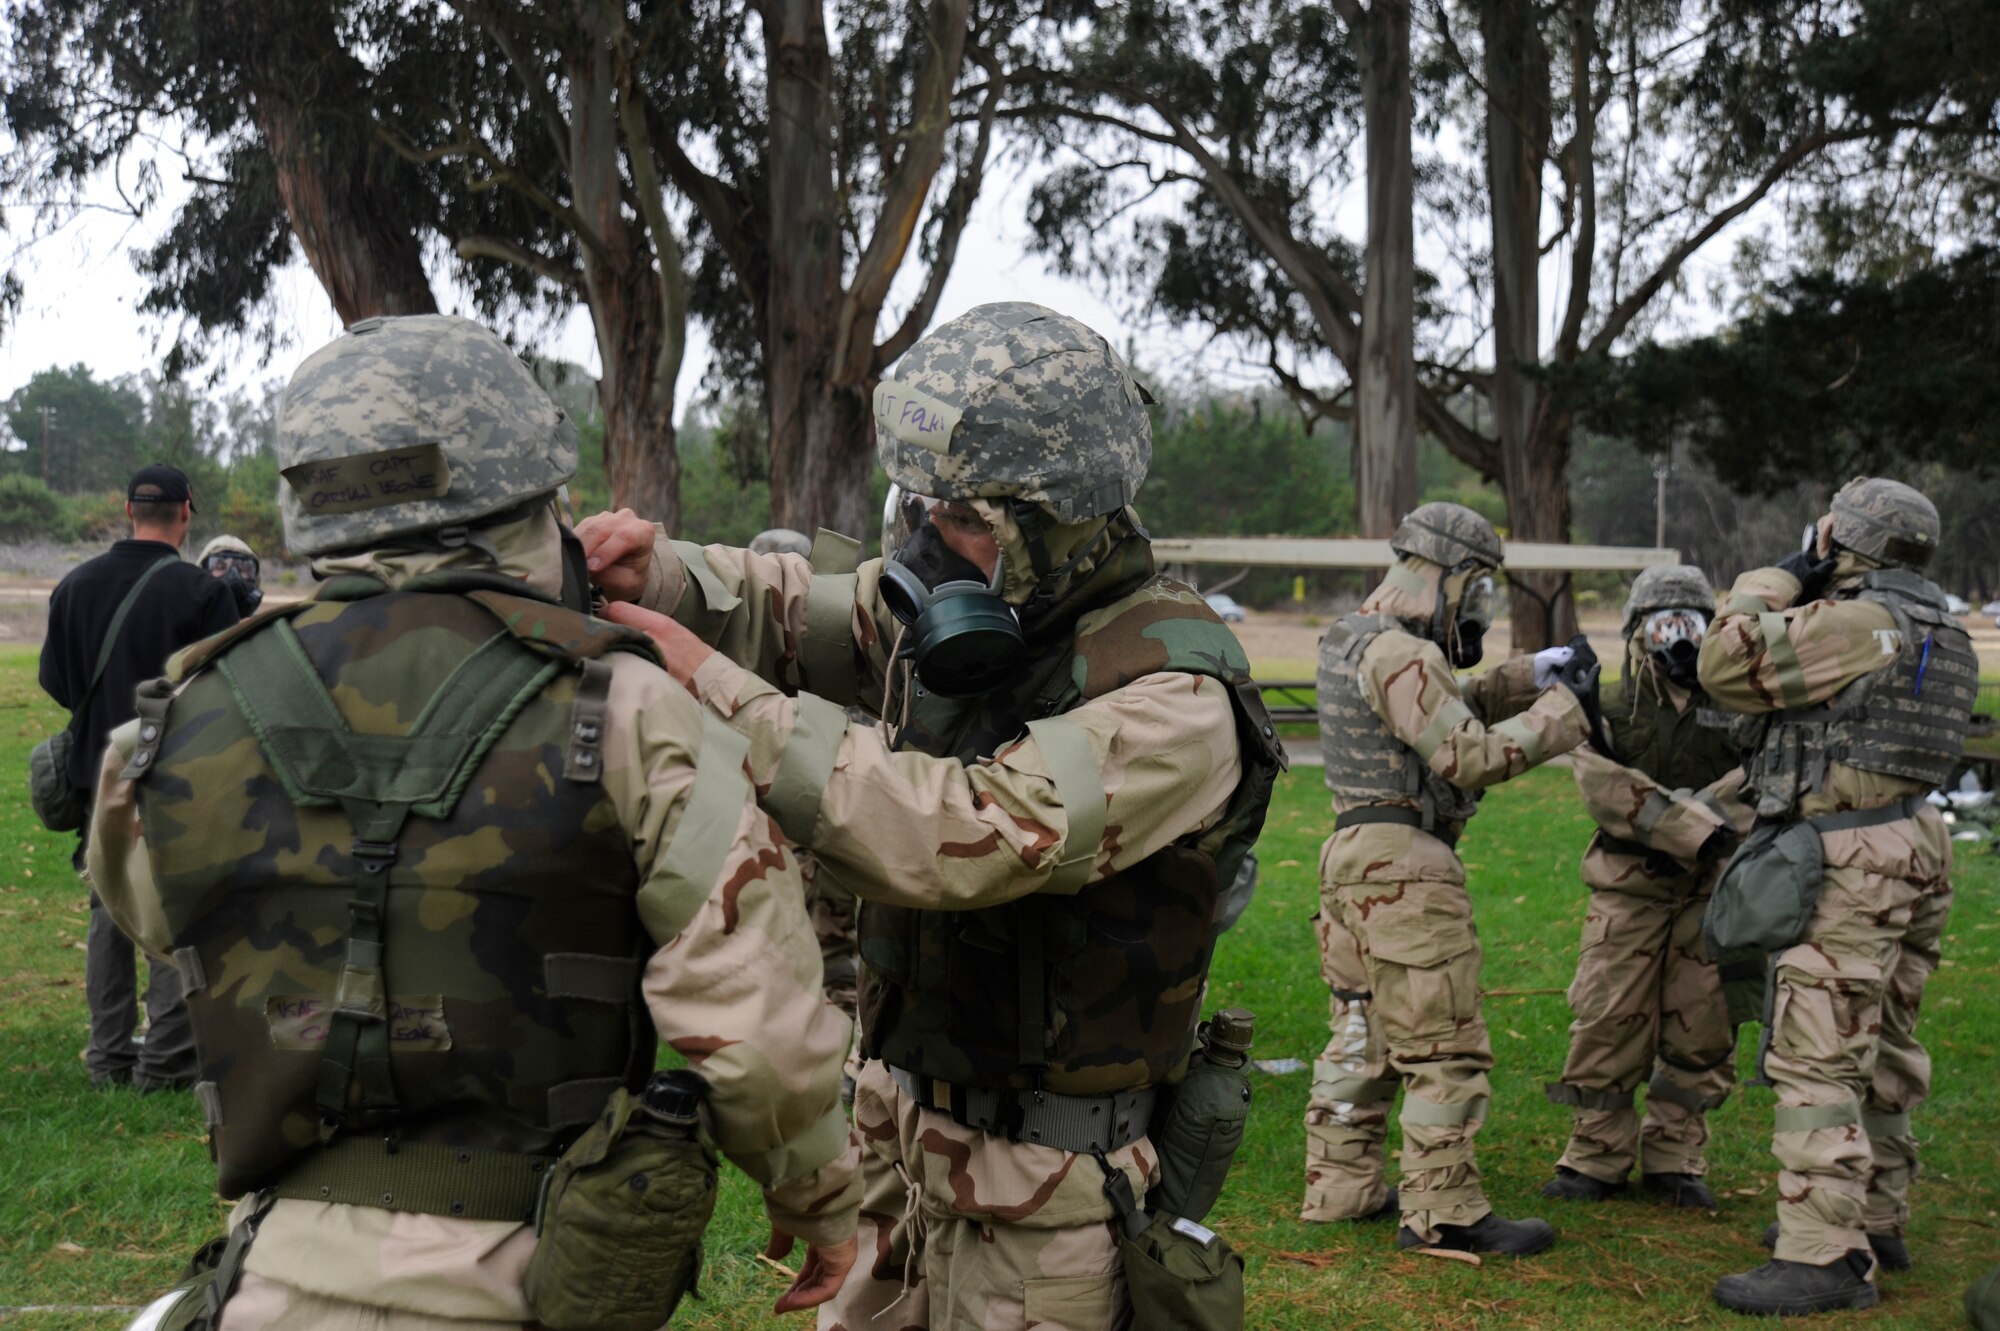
(1177, 1273)
(1767, 893)
(620, 1227)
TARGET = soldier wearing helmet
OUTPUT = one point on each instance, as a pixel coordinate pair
(1408, 748)
(1647, 996)
(236, 564)
(1856, 683)
(1072, 763)
(441, 858)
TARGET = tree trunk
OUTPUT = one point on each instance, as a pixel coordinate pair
(1534, 446)
(819, 429)
(1385, 419)
(341, 209)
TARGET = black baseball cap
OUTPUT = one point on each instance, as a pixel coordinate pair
(159, 484)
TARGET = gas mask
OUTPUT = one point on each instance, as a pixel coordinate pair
(1476, 596)
(964, 639)
(1673, 637)
(241, 573)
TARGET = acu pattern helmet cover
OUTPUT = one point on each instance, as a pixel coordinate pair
(1887, 521)
(405, 425)
(1013, 400)
(1447, 535)
(1667, 587)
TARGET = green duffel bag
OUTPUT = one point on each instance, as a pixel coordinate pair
(620, 1229)
(1768, 891)
(1180, 1274)
(1982, 1302)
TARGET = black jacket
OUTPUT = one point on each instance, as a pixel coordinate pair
(182, 604)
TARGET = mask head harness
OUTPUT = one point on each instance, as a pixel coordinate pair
(1466, 597)
(962, 635)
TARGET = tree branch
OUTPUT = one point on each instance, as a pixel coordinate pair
(506, 251)
(527, 69)
(666, 243)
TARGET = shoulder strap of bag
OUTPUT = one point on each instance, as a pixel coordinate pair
(111, 633)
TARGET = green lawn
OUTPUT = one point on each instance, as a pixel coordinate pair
(102, 1195)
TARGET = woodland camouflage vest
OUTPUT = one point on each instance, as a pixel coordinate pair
(1682, 750)
(1082, 994)
(1908, 719)
(1365, 762)
(502, 977)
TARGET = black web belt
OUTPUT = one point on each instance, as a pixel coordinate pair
(1396, 816)
(426, 1177)
(1084, 1124)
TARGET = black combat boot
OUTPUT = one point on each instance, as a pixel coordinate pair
(1571, 1186)
(1489, 1233)
(1680, 1190)
(1891, 1253)
(1793, 1289)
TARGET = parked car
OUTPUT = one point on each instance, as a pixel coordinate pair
(1226, 607)
(1958, 605)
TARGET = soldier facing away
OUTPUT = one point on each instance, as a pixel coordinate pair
(438, 854)
(1647, 996)
(1408, 748)
(1859, 685)
(1073, 761)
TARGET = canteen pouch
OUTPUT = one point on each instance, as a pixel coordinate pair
(1177, 1273)
(57, 803)
(1198, 1137)
(1768, 891)
(621, 1223)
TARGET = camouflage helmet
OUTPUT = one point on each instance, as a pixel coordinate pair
(406, 425)
(780, 541)
(1016, 400)
(225, 544)
(1667, 587)
(1447, 535)
(1887, 521)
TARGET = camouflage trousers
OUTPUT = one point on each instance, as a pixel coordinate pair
(320, 1265)
(962, 1231)
(1402, 961)
(1844, 1054)
(1647, 1000)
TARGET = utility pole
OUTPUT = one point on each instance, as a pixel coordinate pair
(1661, 467)
(48, 415)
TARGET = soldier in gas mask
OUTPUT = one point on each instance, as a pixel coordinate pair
(1072, 764)
(1408, 748)
(1857, 685)
(1647, 996)
(236, 564)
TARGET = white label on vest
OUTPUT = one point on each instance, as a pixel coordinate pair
(915, 417)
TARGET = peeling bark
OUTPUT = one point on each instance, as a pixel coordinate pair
(1385, 418)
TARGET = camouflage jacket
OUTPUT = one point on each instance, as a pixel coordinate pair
(1469, 733)
(1793, 669)
(1679, 784)
(730, 977)
(1139, 703)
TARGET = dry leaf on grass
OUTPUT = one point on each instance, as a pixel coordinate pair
(778, 1266)
(1450, 1254)
(1318, 1261)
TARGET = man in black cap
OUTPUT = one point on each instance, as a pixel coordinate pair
(112, 624)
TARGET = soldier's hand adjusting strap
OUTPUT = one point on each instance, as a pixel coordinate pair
(805, 767)
(704, 836)
(1080, 786)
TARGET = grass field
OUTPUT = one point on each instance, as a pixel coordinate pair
(103, 1195)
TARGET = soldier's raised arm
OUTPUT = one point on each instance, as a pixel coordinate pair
(1772, 648)
(1412, 688)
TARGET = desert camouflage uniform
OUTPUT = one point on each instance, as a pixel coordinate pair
(1647, 997)
(971, 1230)
(1843, 1050)
(724, 962)
(1397, 944)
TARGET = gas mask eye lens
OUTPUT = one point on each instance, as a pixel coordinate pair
(1476, 603)
(1668, 629)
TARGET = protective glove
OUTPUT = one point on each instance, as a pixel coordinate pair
(1549, 663)
(1580, 677)
(1812, 572)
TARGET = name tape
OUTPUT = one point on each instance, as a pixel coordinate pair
(915, 417)
(371, 480)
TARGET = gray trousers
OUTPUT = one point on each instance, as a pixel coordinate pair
(111, 982)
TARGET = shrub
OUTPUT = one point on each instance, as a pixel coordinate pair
(30, 510)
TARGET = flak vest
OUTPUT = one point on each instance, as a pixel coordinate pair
(1365, 763)
(1095, 992)
(1909, 719)
(398, 893)
(1682, 750)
